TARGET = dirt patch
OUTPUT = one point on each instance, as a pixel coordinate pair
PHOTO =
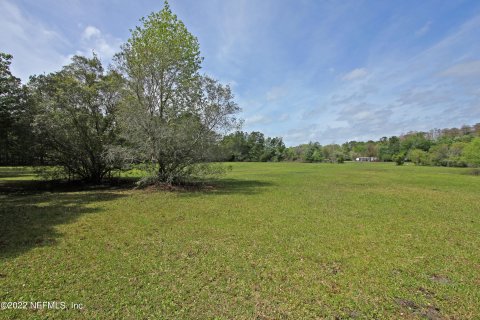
(331, 267)
(407, 304)
(432, 313)
(440, 279)
(426, 293)
(426, 311)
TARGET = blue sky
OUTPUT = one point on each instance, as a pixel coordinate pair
(306, 70)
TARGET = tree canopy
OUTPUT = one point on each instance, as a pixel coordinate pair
(171, 115)
(76, 117)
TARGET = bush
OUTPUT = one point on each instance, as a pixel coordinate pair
(399, 159)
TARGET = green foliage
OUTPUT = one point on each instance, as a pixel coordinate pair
(17, 142)
(399, 158)
(471, 153)
(171, 116)
(419, 157)
(76, 118)
(416, 140)
(244, 146)
(313, 152)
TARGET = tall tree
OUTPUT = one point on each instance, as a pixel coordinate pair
(76, 119)
(15, 117)
(172, 115)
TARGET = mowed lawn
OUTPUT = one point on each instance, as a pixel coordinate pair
(268, 241)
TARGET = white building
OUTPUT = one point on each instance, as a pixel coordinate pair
(366, 159)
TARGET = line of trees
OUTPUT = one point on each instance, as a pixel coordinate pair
(454, 147)
(152, 107)
(244, 146)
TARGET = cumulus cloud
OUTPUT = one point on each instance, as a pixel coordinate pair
(93, 40)
(36, 48)
(90, 31)
(355, 74)
(40, 48)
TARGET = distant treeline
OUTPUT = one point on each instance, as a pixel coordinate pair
(458, 147)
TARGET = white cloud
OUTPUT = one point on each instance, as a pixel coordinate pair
(90, 31)
(258, 119)
(355, 74)
(465, 69)
(93, 40)
(36, 48)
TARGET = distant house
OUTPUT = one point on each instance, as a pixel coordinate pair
(366, 159)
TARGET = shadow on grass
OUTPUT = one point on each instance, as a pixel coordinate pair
(226, 187)
(14, 172)
(28, 220)
(30, 210)
(39, 186)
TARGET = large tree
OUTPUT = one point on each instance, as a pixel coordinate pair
(16, 115)
(76, 119)
(172, 116)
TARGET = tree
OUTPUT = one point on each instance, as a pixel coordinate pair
(76, 119)
(16, 116)
(418, 156)
(256, 145)
(172, 116)
(439, 154)
(274, 150)
(399, 158)
(455, 154)
(333, 153)
(471, 153)
(415, 140)
(234, 147)
(312, 152)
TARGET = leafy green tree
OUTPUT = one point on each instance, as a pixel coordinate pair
(256, 146)
(419, 157)
(455, 152)
(387, 147)
(234, 147)
(439, 154)
(172, 116)
(312, 152)
(274, 150)
(17, 143)
(76, 118)
(333, 153)
(471, 153)
(415, 140)
(399, 158)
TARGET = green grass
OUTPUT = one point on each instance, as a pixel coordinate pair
(270, 241)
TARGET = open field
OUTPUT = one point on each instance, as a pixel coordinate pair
(269, 241)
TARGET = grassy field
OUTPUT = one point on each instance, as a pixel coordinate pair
(268, 241)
